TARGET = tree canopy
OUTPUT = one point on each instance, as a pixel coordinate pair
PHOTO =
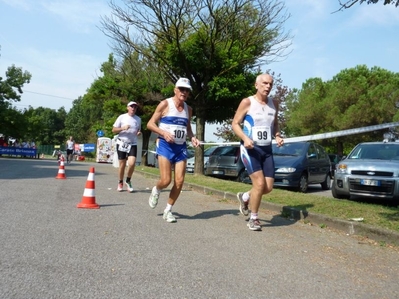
(10, 91)
(354, 98)
(11, 86)
(218, 45)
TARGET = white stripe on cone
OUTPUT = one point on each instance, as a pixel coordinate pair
(88, 192)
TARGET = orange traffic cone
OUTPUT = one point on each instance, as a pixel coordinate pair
(61, 171)
(89, 199)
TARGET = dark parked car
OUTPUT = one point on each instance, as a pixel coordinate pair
(299, 164)
(225, 162)
(370, 170)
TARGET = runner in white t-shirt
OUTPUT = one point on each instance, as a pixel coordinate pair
(128, 127)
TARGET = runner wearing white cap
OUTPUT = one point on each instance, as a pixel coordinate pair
(171, 121)
(128, 127)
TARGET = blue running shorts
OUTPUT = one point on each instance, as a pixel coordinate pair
(171, 151)
(258, 158)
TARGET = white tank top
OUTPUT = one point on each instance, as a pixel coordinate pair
(259, 121)
(175, 122)
(70, 144)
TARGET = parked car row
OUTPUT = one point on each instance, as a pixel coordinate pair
(296, 165)
(191, 161)
(370, 170)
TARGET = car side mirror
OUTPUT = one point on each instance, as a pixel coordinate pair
(312, 156)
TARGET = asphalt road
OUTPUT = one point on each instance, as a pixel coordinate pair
(52, 249)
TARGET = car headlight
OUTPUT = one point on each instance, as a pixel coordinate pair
(286, 169)
(341, 168)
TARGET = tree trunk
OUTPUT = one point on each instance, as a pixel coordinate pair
(199, 151)
(146, 140)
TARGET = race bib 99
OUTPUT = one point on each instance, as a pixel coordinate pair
(261, 135)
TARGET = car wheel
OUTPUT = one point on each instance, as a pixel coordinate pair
(335, 194)
(303, 183)
(243, 177)
(327, 183)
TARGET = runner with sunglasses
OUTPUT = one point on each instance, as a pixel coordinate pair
(171, 121)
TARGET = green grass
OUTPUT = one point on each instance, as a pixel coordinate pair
(378, 215)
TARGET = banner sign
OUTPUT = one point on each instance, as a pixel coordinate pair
(87, 147)
(17, 151)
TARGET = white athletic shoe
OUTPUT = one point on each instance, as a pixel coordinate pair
(168, 216)
(153, 200)
(129, 186)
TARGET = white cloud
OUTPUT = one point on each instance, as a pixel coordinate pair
(22, 4)
(374, 15)
(80, 15)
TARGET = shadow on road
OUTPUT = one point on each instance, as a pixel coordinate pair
(274, 221)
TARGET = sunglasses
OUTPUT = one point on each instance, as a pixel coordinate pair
(133, 106)
(183, 89)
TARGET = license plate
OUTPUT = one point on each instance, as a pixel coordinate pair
(217, 172)
(190, 169)
(370, 182)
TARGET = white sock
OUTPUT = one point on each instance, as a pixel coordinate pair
(254, 215)
(155, 190)
(168, 208)
(245, 196)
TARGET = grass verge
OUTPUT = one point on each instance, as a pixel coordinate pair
(375, 214)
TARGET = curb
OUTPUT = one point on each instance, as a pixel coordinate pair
(348, 227)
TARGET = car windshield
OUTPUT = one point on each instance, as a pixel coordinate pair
(289, 149)
(383, 151)
(209, 151)
(225, 151)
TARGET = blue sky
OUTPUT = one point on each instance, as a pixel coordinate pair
(60, 44)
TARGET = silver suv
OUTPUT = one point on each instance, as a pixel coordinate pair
(370, 170)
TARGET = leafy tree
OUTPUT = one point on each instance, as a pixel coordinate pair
(11, 87)
(12, 123)
(10, 91)
(354, 98)
(226, 132)
(45, 125)
(77, 122)
(217, 45)
(132, 79)
(350, 3)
